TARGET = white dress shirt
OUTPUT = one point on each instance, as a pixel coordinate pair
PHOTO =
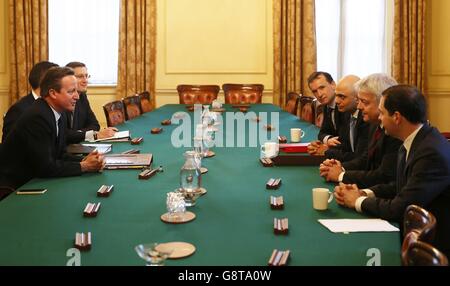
(407, 144)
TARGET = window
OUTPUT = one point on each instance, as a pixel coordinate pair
(353, 36)
(86, 31)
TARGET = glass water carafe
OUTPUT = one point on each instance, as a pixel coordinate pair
(190, 174)
(207, 116)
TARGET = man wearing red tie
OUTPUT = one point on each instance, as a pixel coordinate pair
(377, 165)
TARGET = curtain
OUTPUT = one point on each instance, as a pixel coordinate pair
(28, 42)
(96, 27)
(137, 48)
(408, 54)
(351, 41)
(294, 47)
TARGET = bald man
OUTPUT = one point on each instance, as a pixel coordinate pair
(353, 133)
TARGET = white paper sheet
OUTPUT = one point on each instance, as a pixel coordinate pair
(358, 225)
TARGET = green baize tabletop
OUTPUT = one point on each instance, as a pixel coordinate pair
(234, 223)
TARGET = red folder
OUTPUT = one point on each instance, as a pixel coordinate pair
(294, 148)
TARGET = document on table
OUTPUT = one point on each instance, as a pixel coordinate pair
(118, 137)
(88, 148)
(358, 225)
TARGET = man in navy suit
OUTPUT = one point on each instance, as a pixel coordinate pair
(17, 109)
(377, 164)
(423, 167)
(353, 132)
(323, 87)
(36, 145)
(82, 124)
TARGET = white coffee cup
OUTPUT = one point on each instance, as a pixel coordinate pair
(270, 149)
(321, 198)
(297, 134)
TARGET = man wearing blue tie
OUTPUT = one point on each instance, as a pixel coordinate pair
(353, 132)
(35, 148)
(323, 87)
(423, 167)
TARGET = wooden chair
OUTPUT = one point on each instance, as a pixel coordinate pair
(132, 106)
(243, 93)
(308, 109)
(192, 94)
(114, 113)
(418, 225)
(292, 100)
(5, 191)
(423, 254)
(146, 104)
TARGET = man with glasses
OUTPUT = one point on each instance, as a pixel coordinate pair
(81, 122)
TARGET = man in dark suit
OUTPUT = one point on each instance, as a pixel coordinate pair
(377, 164)
(82, 123)
(35, 147)
(17, 109)
(423, 167)
(323, 87)
(353, 132)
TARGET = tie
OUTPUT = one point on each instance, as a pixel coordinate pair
(401, 164)
(58, 126)
(373, 142)
(59, 135)
(331, 115)
(59, 129)
(71, 120)
(352, 132)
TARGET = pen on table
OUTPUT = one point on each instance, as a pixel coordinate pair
(31, 192)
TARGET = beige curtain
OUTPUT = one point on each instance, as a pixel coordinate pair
(408, 55)
(28, 42)
(137, 48)
(295, 56)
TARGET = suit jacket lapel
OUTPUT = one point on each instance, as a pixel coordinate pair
(51, 117)
(415, 144)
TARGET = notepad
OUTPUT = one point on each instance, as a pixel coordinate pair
(88, 148)
(358, 225)
(128, 161)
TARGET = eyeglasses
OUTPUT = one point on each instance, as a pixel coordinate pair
(80, 76)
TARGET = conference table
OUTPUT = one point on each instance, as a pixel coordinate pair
(234, 221)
